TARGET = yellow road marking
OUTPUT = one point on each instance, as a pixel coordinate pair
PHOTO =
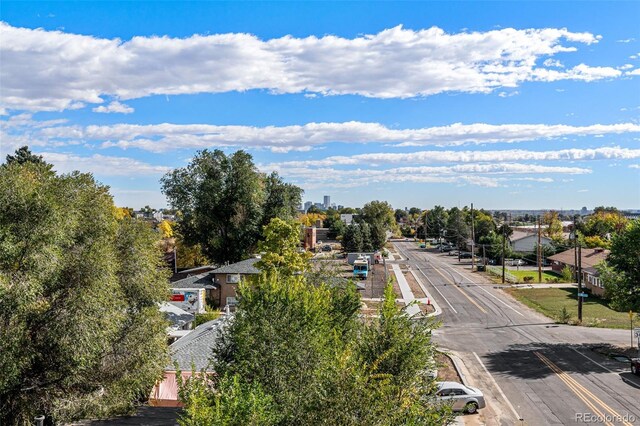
(460, 290)
(581, 391)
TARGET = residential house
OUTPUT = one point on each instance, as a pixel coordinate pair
(526, 242)
(227, 278)
(192, 355)
(181, 321)
(589, 259)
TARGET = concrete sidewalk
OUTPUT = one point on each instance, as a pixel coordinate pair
(407, 294)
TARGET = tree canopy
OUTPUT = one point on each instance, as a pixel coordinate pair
(81, 334)
(621, 272)
(224, 201)
(297, 353)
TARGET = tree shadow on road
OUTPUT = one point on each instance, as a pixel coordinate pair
(526, 361)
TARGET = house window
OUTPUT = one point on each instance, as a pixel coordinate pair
(233, 278)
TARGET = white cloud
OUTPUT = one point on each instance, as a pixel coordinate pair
(425, 157)
(634, 72)
(114, 106)
(626, 40)
(625, 67)
(553, 63)
(635, 166)
(54, 70)
(508, 94)
(169, 137)
(488, 175)
(102, 165)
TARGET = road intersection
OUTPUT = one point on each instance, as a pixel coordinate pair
(533, 371)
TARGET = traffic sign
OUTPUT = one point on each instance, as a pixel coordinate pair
(583, 295)
(636, 331)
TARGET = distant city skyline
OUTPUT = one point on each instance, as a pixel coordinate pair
(507, 105)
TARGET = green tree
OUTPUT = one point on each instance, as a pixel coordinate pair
(401, 215)
(457, 228)
(282, 199)
(23, 155)
(436, 221)
(483, 224)
(81, 334)
(380, 215)
(280, 249)
(352, 241)
(298, 354)
(621, 271)
(222, 200)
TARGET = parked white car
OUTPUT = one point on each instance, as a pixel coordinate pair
(462, 398)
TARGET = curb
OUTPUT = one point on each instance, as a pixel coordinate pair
(438, 311)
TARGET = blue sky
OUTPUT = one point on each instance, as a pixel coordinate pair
(516, 105)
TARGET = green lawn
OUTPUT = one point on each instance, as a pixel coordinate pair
(546, 275)
(549, 301)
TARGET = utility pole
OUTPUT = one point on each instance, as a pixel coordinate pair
(579, 283)
(504, 248)
(539, 254)
(473, 239)
(575, 249)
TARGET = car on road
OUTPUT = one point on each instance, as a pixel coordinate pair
(635, 366)
(465, 255)
(326, 247)
(423, 245)
(446, 249)
(462, 398)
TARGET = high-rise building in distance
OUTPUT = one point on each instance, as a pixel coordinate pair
(327, 201)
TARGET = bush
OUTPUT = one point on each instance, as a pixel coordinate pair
(528, 279)
(209, 315)
(567, 274)
(564, 317)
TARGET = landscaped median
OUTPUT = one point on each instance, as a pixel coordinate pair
(551, 301)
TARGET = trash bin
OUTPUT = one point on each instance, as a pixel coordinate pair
(481, 268)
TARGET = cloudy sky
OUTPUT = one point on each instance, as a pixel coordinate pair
(506, 105)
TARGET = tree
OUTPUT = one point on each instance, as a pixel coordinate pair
(602, 225)
(81, 334)
(457, 228)
(315, 209)
(282, 199)
(483, 224)
(621, 271)
(379, 213)
(298, 354)
(280, 247)
(223, 201)
(310, 219)
(23, 155)
(352, 241)
(166, 229)
(553, 226)
(401, 215)
(436, 222)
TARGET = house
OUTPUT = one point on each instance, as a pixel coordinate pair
(589, 259)
(227, 278)
(181, 321)
(191, 355)
(186, 273)
(527, 242)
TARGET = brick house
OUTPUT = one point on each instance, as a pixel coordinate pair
(589, 259)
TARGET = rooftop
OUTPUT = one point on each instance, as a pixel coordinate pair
(590, 257)
(196, 348)
(242, 267)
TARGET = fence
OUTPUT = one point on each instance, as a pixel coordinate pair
(497, 271)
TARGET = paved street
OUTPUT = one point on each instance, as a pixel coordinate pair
(531, 370)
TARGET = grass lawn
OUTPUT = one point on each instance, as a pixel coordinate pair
(546, 275)
(549, 301)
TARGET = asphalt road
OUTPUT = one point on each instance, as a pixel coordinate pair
(531, 370)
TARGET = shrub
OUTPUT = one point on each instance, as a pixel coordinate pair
(209, 315)
(567, 274)
(564, 317)
(528, 279)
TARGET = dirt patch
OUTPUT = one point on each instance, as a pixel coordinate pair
(446, 370)
(413, 284)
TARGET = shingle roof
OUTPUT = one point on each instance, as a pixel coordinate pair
(176, 316)
(196, 348)
(590, 257)
(195, 281)
(242, 267)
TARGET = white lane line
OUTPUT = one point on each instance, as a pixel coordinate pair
(513, 410)
(483, 289)
(436, 288)
(596, 363)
